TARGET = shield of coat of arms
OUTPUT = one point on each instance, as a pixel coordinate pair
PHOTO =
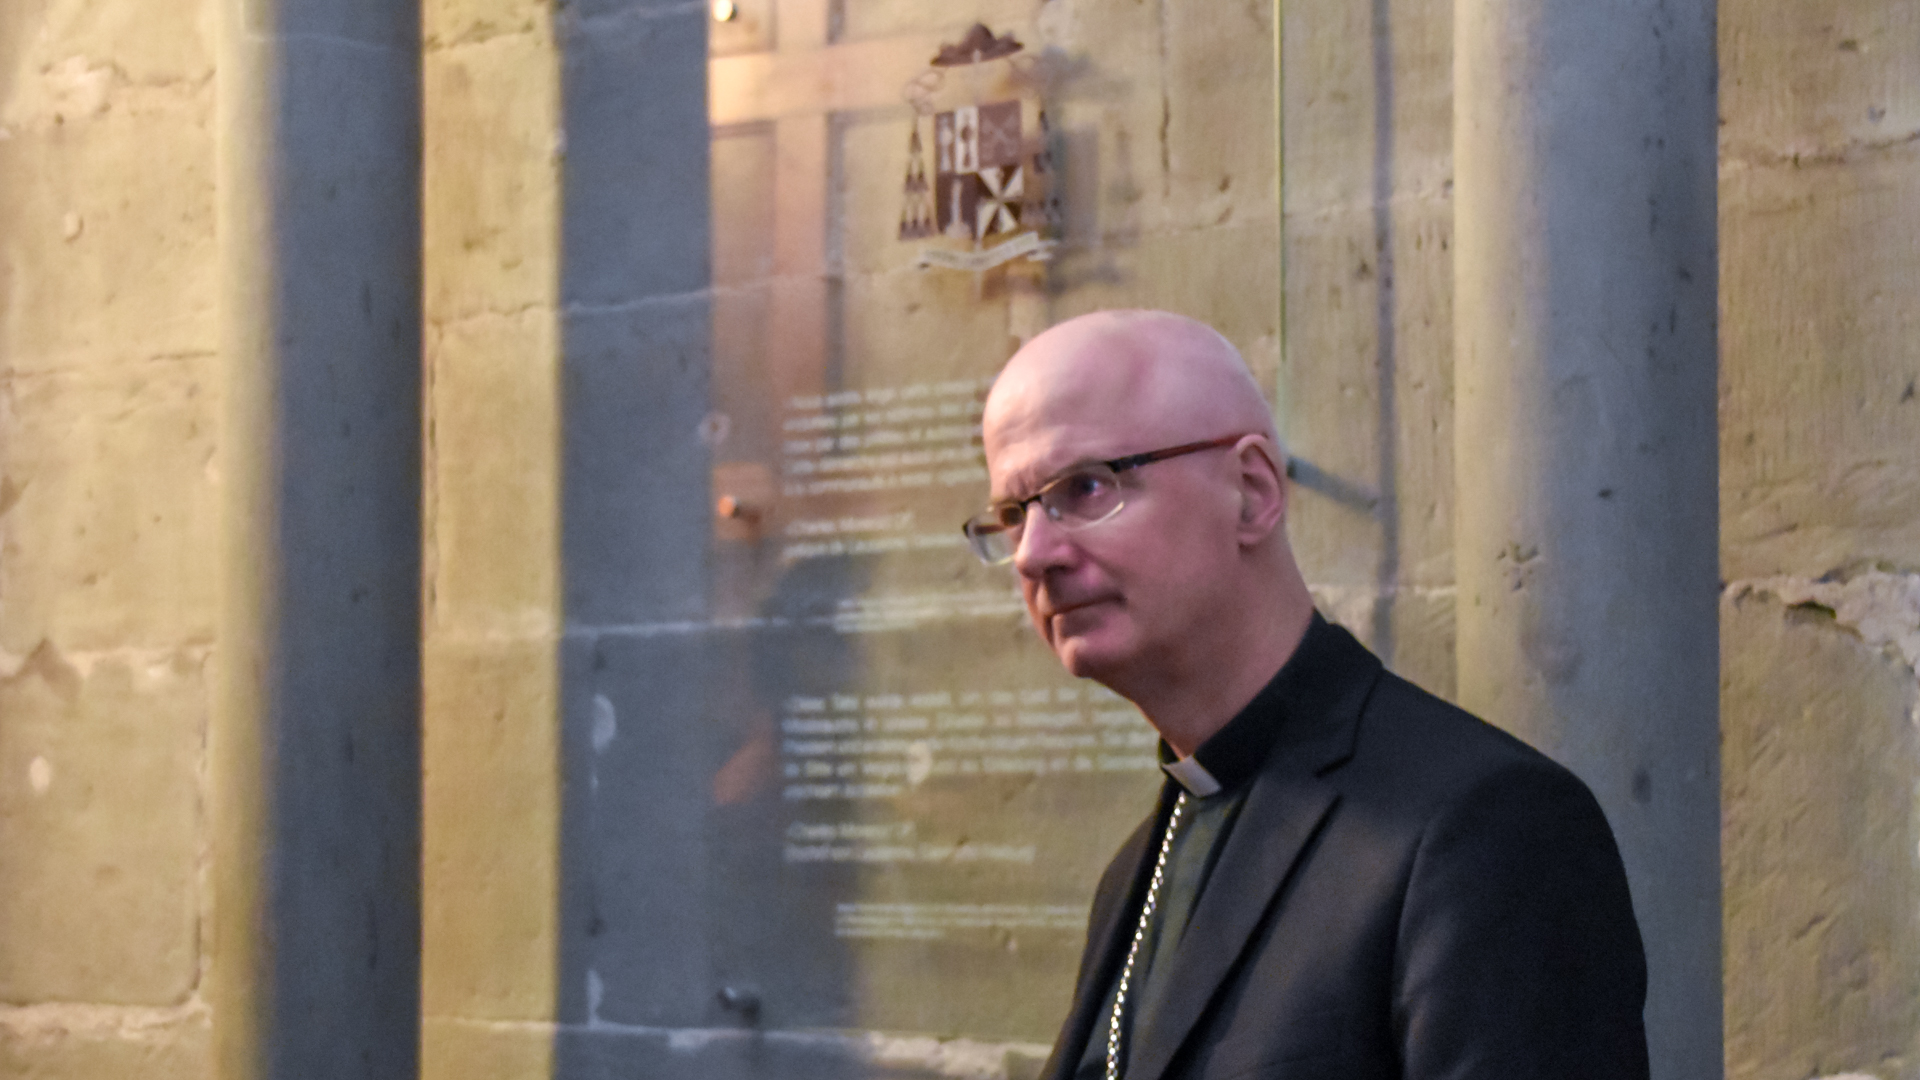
(989, 187)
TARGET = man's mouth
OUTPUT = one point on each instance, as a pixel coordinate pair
(1069, 608)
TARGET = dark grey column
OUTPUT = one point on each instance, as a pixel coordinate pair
(1586, 449)
(637, 728)
(315, 736)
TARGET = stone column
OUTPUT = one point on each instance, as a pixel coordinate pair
(314, 741)
(1585, 446)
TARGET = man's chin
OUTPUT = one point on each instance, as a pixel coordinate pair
(1086, 657)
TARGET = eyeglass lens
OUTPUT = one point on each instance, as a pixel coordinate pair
(1085, 496)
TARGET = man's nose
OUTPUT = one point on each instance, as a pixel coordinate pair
(1043, 545)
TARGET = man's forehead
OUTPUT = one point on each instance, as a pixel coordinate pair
(1029, 456)
(1110, 384)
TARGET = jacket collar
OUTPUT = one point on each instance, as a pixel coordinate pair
(1284, 711)
(1302, 725)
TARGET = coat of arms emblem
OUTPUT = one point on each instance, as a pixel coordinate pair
(990, 190)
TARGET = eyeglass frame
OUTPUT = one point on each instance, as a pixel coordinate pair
(1117, 465)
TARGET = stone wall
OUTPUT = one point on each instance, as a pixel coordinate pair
(1820, 536)
(1366, 393)
(109, 473)
(110, 468)
(491, 617)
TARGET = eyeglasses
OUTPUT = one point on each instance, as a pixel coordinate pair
(1083, 495)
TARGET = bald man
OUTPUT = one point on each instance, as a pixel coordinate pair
(1345, 877)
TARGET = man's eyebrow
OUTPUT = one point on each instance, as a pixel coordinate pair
(1050, 478)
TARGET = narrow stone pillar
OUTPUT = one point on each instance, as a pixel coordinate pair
(314, 738)
(1586, 452)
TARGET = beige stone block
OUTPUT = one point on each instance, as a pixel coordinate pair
(109, 506)
(1817, 77)
(452, 1049)
(1360, 363)
(491, 177)
(1108, 102)
(1227, 277)
(109, 239)
(921, 326)
(1818, 758)
(67, 55)
(452, 23)
(100, 827)
(1345, 74)
(493, 475)
(490, 828)
(1219, 123)
(92, 1047)
(1820, 358)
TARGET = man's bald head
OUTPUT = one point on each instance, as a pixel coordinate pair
(1148, 374)
(1181, 598)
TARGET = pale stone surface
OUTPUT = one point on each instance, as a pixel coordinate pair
(1366, 396)
(144, 44)
(1818, 760)
(1218, 123)
(1820, 530)
(452, 1049)
(910, 316)
(493, 165)
(1350, 349)
(108, 476)
(1226, 277)
(1819, 417)
(1346, 71)
(1108, 101)
(493, 483)
(490, 829)
(1818, 77)
(72, 210)
(99, 826)
(463, 22)
(491, 175)
(108, 506)
(96, 1048)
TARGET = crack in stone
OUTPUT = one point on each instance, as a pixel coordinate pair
(52, 1020)
(1882, 608)
(1849, 151)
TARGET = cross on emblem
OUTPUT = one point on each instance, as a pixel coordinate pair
(992, 188)
(979, 181)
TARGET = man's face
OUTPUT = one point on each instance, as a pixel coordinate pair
(1120, 600)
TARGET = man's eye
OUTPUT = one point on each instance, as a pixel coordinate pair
(1009, 516)
(1080, 487)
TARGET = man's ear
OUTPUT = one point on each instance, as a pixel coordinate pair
(1263, 488)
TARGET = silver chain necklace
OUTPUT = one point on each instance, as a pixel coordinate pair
(1139, 932)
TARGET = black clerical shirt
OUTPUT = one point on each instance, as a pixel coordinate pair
(1215, 780)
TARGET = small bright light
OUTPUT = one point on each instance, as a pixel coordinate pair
(724, 11)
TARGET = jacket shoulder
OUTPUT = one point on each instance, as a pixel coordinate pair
(1416, 751)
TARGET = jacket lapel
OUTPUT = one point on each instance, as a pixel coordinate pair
(1275, 825)
(1109, 932)
(1284, 808)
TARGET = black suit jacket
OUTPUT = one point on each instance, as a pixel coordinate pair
(1408, 892)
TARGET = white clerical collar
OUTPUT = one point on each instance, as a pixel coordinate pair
(1190, 774)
